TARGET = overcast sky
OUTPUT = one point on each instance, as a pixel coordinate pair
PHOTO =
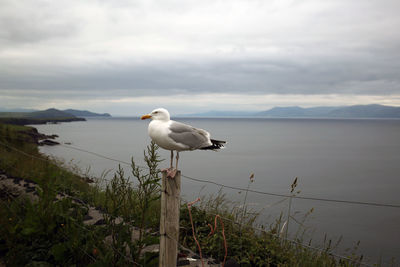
(128, 57)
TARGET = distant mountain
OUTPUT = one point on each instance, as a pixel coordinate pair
(358, 111)
(368, 111)
(85, 113)
(290, 112)
(43, 114)
(48, 113)
(51, 115)
(216, 113)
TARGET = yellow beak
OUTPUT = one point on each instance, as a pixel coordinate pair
(147, 116)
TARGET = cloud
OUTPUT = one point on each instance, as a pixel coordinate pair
(26, 22)
(251, 76)
(98, 49)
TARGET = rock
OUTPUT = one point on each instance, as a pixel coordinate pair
(87, 217)
(48, 142)
(96, 217)
(52, 136)
(183, 263)
(100, 222)
(13, 187)
(151, 248)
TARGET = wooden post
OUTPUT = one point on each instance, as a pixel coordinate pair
(169, 219)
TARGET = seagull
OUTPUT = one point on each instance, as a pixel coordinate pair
(172, 135)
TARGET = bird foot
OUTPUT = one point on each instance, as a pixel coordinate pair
(171, 172)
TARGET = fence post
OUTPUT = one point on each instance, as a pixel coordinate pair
(169, 219)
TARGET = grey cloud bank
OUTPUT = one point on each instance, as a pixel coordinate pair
(112, 54)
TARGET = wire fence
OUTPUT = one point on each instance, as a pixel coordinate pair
(209, 181)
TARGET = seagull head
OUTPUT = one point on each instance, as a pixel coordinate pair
(158, 114)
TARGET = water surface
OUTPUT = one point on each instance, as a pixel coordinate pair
(336, 159)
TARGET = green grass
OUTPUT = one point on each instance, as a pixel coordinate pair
(249, 245)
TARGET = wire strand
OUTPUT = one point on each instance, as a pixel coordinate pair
(288, 196)
(376, 204)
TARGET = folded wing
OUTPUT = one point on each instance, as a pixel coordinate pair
(191, 137)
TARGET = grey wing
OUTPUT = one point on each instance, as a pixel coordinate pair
(192, 137)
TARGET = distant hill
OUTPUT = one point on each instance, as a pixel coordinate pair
(50, 113)
(357, 111)
(85, 113)
(37, 117)
(43, 114)
(216, 113)
(368, 111)
(295, 112)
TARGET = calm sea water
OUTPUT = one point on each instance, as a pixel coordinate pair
(355, 160)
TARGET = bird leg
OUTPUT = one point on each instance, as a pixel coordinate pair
(172, 157)
(177, 158)
(171, 172)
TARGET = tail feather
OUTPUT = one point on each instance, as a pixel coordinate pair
(216, 144)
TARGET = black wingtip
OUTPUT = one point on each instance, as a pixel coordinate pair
(216, 144)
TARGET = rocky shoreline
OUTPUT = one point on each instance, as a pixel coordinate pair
(42, 139)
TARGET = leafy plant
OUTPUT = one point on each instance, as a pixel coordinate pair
(128, 205)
